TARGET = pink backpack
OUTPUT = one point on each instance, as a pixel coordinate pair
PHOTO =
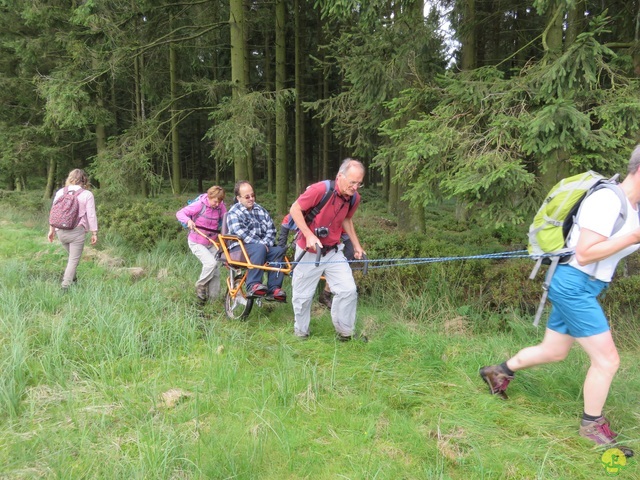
(65, 212)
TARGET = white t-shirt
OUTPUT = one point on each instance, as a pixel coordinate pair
(599, 214)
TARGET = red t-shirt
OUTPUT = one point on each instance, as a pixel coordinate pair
(332, 214)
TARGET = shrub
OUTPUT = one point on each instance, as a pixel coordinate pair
(142, 223)
(28, 202)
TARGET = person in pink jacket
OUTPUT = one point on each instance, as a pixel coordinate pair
(205, 214)
(73, 240)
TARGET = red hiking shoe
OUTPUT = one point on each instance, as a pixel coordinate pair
(256, 290)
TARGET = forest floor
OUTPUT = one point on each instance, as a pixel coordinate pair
(125, 376)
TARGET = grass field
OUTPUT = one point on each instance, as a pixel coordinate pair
(125, 377)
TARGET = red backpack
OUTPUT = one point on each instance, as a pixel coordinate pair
(65, 212)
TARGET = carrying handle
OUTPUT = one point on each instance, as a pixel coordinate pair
(302, 254)
(203, 235)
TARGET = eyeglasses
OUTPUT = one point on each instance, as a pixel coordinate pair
(248, 197)
(351, 183)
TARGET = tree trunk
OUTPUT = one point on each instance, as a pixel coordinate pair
(552, 35)
(299, 183)
(247, 78)
(281, 115)
(575, 22)
(323, 169)
(270, 134)
(51, 178)
(554, 168)
(462, 211)
(468, 54)
(138, 65)
(175, 139)
(101, 129)
(636, 51)
(385, 182)
(419, 221)
(393, 191)
(215, 65)
(238, 72)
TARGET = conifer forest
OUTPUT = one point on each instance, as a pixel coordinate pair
(486, 103)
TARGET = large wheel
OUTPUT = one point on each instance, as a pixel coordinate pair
(238, 308)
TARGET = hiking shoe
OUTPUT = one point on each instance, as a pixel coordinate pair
(256, 290)
(348, 338)
(599, 431)
(301, 335)
(497, 380)
(326, 298)
(279, 295)
(201, 292)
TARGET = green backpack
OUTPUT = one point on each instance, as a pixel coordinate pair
(552, 224)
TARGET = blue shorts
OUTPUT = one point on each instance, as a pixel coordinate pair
(575, 309)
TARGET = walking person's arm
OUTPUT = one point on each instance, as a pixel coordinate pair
(593, 247)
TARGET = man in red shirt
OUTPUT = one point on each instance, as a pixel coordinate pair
(325, 231)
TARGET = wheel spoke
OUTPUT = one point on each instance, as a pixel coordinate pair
(238, 307)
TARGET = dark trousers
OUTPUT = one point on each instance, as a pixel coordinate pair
(258, 255)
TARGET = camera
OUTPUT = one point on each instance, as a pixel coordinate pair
(321, 232)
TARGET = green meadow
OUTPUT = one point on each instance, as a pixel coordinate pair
(126, 377)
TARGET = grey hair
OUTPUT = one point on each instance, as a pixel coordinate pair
(634, 161)
(348, 163)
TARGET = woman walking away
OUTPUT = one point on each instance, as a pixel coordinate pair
(205, 214)
(82, 215)
(576, 315)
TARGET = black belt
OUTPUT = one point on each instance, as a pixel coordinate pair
(326, 249)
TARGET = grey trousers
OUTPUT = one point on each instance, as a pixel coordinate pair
(335, 268)
(73, 243)
(210, 274)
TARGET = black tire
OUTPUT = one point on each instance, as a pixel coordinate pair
(237, 308)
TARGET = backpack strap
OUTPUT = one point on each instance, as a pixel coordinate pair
(622, 216)
(353, 199)
(66, 191)
(204, 209)
(545, 286)
(329, 189)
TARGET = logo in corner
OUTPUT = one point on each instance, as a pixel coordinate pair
(613, 460)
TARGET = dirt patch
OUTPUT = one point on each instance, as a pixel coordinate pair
(103, 258)
(456, 326)
(171, 398)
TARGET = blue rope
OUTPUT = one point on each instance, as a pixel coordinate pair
(401, 262)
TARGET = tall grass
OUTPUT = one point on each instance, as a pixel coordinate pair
(85, 377)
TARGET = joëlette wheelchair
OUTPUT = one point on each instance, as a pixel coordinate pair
(237, 302)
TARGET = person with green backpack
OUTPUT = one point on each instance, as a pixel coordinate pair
(576, 315)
